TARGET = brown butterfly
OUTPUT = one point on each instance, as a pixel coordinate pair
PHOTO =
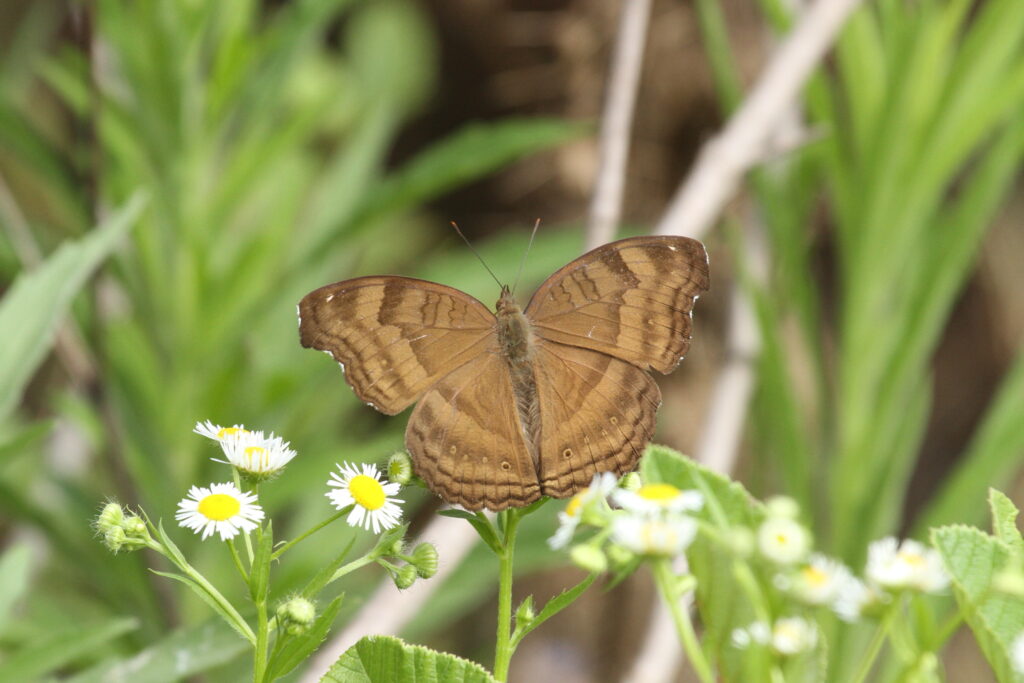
(524, 403)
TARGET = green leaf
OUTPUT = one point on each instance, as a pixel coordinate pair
(972, 559)
(232, 620)
(483, 528)
(15, 568)
(37, 301)
(24, 438)
(1004, 520)
(553, 607)
(182, 654)
(297, 648)
(383, 659)
(474, 151)
(57, 649)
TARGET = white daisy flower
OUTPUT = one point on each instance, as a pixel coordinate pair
(1017, 653)
(375, 508)
(783, 541)
(792, 635)
(909, 564)
(602, 484)
(855, 598)
(220, 434)
(643, 535)
(219, 508)
(819, 582)
(658, 498)
(258, 456)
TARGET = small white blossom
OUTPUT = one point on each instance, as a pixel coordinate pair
(658, 499)
(373, 505)
(853, 598)
(819, 582)
(906, 565)
(792, 635)
(258, 456)
(220, 434)
(219, 508)
(643, 535)
(755, 633)
(783, 540)
(602, 485)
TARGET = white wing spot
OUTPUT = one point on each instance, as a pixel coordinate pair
(329, 297)
(672, 248)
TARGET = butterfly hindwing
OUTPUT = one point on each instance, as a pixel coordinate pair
(466, 441)
(597, 414)
(394, 336)
(630, 299)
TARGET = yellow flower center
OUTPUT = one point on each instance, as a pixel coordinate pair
(913, 559)
(367, 491)
(781, 539)
(255, 453)
(658, 493)
(573, 508)
(815, 576)
(224, 432)
(219, 506)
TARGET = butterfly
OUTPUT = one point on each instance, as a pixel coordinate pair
(520, 403)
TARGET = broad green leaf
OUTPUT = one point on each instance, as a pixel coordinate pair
(37, 301)
(182, 654)
(54, 651)
(24, 438)
(383, 659)
(972, 558)
(1004, 520)
(14, 576)
(297, 648)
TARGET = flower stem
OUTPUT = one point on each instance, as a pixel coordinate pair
(874, 647)
(665, 580)
(238, 560)
(303, 536)
(262, 639)
(504, 647)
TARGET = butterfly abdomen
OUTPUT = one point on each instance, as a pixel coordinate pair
(518, 347)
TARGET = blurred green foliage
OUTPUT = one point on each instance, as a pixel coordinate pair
(260, 139)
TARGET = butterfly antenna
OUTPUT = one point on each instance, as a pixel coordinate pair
(525, 254)
(475, 252)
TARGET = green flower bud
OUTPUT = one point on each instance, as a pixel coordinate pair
(524, 613)
(296, 615)
(111, 516)
(405, 577)
(424, 558)
(782, 507)
(1010, 580)
(115, 538)
(400, 468)
(135, 527)
(589, 558)
(631, 482)
(740, 541)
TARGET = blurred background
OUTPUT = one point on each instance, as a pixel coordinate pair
(175, 175)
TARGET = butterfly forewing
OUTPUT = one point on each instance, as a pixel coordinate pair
(597, 414)
(466, 441)
(394, 336)
(630, 299)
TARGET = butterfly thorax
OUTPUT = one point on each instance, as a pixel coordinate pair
(516, 341)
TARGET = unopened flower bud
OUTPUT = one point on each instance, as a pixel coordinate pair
(405, 577)
(631, 482)
(400, 468)
(424, 558)
(589, 558)
(296, 615)
(115, 538)
(524, 613)
(135, 527)
(111, 516)
(618, 556)
(782, 507)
